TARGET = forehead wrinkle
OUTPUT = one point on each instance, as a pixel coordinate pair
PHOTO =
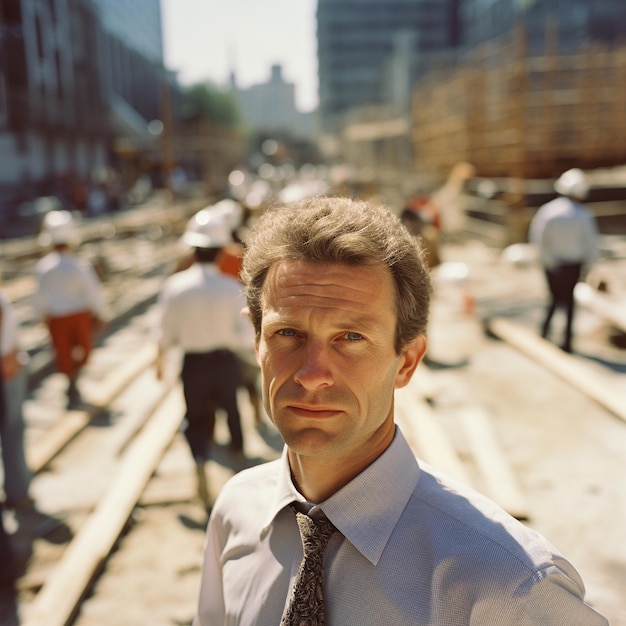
(326, 294)
(325, 286)
(350, 310)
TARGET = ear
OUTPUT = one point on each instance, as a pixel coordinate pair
(409, 360)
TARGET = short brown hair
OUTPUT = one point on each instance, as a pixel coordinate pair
(340, 230)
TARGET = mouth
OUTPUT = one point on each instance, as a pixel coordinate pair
(313, 412)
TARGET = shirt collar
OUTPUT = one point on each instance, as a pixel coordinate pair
(285, 493)
(367, 509)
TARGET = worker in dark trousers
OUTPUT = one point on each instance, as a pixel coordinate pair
(566, 236)
(201, 314)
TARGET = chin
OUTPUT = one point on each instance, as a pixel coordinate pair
(309, 441)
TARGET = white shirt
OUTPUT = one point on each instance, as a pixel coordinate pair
(564, 232)
(67, 285)
(200, 311)
(415, 549)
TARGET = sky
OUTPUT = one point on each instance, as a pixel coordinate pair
(207, 39)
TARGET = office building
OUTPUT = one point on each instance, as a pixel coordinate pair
(75, 75)
(356, 43)
(572, 23)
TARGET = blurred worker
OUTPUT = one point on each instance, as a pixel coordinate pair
(13, 373)
(69, 298)
(566, 235)
(229, 261)
(201, 313)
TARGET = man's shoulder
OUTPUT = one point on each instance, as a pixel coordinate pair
(184, 279)
(251, 489)
(46, 262)
(474, 523)
(556, 206)
(252, 478)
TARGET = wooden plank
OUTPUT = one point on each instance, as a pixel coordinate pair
(426, 436)
(41, 452)
(122, 376)
(566, 366)
(500, 481)
(606, 307)
(56, 603)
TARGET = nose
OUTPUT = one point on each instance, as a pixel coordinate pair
(314, 370)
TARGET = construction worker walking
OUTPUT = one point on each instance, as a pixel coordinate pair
(201, 314)
(69, 298)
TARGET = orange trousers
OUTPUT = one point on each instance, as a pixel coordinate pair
(72, 339)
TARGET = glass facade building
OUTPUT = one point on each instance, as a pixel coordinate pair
(356, 41)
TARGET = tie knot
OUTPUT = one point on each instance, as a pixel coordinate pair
(315, 533)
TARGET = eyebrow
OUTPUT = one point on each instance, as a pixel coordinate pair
(354, 322)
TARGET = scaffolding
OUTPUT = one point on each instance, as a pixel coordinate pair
(513, 114)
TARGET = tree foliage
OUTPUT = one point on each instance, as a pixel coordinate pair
(204, 101)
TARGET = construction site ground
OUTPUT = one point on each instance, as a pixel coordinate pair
(566, 451)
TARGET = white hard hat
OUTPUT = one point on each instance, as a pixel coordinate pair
(58, 228)
(207, 229)
(230, 210)
(572, 183)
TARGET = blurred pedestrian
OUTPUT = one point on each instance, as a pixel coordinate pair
(13, 373)
(229, 261)
(201, 313)
(348, 527)
(566, 236)
(69, 298)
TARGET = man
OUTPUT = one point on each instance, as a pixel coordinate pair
(68, 297)
(13, 384)
(338, 294)
(565, 233)
(201, 313)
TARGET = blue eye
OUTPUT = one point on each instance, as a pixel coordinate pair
(353, 336)
(287, 332)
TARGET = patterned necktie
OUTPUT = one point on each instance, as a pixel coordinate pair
(306, 605)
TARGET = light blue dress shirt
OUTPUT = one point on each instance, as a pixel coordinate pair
(415, 549)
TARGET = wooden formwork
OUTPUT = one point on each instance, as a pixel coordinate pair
(511, 113)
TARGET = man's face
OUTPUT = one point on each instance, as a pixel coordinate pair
(327, 357)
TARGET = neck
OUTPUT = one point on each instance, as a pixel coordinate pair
(318, 478)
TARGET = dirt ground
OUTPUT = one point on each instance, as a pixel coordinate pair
(567, 452)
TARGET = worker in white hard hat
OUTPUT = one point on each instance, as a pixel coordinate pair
(565, 234)
(201, 314)
(69, 298)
